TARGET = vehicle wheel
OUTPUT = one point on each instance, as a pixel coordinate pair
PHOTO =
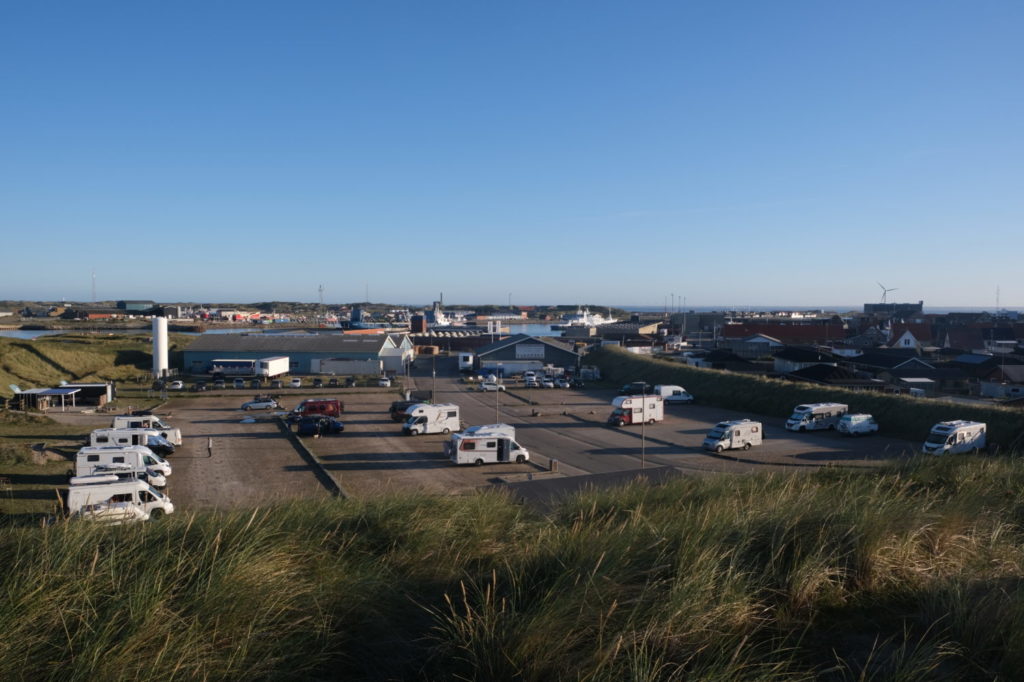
(746, 446)
(520, 459)
(247, 408)
(803, 429)
(651, 421)
(718, 448)
(156, 514)
(445, 431)
(479, 462)
(831, 427)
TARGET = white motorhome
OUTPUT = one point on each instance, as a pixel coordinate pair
(506, 430)
(673, 394)
(140, 458)
(954, 437)
(90, 496)
(272, 367)
(740, 433)
(150, 438)
(427, 418)
(484, 448)
(816, 416)
(857, 424)
(148, 421)
(637, 409)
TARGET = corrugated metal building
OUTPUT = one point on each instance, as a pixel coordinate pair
(394, 351)
(521, 352)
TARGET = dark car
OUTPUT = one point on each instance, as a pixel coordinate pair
(219, 383)
(160, 446)
(318, 383)
(255, 383)
(637, 388)
(319, 426)
(277, 383)
(333, 383)
(576, 383)
(199, 386)
(398, 408)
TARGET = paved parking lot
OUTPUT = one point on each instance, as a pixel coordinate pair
(226, 463)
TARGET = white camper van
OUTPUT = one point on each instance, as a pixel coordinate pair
(673, 394)
(816, 416)
(954, 437)
(506, 430)
(150, 438)
(489, 448)
(857, 424)
(637, 409)
(148, 421)
(93, 496)
(138, 457)
(741, 433)
(426, 418)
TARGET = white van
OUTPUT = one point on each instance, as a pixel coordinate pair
(857, 424)
(673, 394)
(92, 497)
(954, 437)
(740, 433)
(816, 416)
(426, 418)
(140, 458)
(506, 430)
(150, 438)
(490, 448)
(148, 421)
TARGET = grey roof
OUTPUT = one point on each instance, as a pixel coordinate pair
(50, 391)
(519, 338)
(282, 344)
(804, 354)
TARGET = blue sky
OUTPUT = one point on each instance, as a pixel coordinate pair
(739, 153)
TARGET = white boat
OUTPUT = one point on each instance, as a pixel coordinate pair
(585, 318)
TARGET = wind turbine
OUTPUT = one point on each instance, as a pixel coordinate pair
(885, 291)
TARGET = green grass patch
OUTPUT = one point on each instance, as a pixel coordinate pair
(909, 572)
(898, 415)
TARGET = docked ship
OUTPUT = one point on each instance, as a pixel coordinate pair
(583, 318)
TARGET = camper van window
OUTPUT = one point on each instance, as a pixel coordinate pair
(753, 429)
(469, 445)
(452, 414)
(144, 496)
(119, 460)
(92, 458)
(491, 444)
(123, 497)
(102, 439)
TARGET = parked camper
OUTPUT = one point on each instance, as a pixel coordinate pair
(673, 394)
(150, 438)
(484, 448)
(139, 458)
(425, 418)
(148, 421)
(88, 496)
(857, 424)
(816, 416)
(506, 430)
(954, 437)
(637, 409)
(740, 433)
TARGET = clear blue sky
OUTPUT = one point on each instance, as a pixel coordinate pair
(742, 153)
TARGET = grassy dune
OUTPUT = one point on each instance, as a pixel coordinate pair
(898, 415)
(47, 361)
(908, 573)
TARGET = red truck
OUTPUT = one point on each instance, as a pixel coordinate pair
(317, 407)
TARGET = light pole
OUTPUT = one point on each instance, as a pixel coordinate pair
(497, 397)
(643, 428)
(433, 376)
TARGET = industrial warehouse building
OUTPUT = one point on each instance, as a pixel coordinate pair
(307, 354)
(521, 352)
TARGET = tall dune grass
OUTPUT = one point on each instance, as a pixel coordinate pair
(911, 572)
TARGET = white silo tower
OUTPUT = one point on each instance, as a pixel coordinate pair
(160, 346)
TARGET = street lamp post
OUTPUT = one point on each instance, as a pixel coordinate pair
(497, 397)
(433, 376)
(643, 428)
